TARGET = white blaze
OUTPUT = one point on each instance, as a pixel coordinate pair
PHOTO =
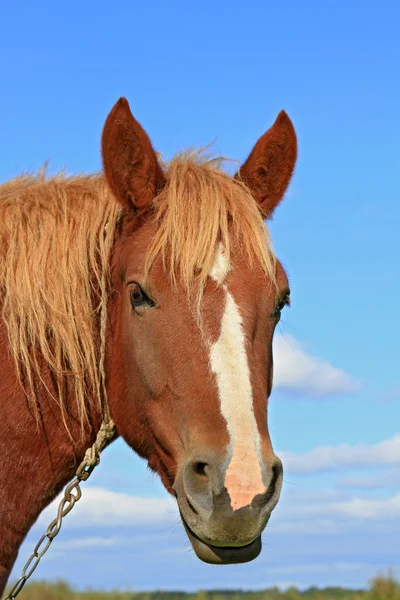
(228, 359)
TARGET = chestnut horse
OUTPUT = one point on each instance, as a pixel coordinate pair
(153, 291)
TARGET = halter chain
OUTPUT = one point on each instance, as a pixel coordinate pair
(90, 461)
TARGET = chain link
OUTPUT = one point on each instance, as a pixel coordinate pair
(72, 494)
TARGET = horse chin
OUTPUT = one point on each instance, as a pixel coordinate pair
(223, 555)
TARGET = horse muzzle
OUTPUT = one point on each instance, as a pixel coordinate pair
(220, 534)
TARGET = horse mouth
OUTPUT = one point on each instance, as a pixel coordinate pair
(223, 555)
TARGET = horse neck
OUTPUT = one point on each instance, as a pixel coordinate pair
(39, 453)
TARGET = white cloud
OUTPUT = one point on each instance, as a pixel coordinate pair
(324, 458)
(63, 548)
(296, 370)
(296, 515)
(356, 508)
(88, 542)
(367, 508)
(389, 478)
(99, 507)
(312, 495)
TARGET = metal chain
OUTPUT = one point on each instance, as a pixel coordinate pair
(89, 463)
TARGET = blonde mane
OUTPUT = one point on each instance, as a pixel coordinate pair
(56, 237)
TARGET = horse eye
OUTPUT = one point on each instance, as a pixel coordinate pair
(139, 298)
(281, 305)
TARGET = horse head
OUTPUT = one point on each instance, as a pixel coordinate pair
(197, 295)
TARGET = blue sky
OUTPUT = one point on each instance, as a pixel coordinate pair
(198, 72)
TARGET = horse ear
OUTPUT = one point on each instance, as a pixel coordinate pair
(269, 167)
(130, 163)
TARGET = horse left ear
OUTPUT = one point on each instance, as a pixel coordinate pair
(130, 163)
(270, 165)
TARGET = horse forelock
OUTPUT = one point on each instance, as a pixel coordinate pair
(200, 209)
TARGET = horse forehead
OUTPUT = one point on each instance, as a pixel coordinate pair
(136, 237)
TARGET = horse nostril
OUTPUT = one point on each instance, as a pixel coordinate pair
(276, 473)
(200, 468)
(197, 487)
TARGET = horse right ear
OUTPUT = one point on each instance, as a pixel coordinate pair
(130, 164)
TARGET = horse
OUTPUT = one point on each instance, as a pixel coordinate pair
(150, 290)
